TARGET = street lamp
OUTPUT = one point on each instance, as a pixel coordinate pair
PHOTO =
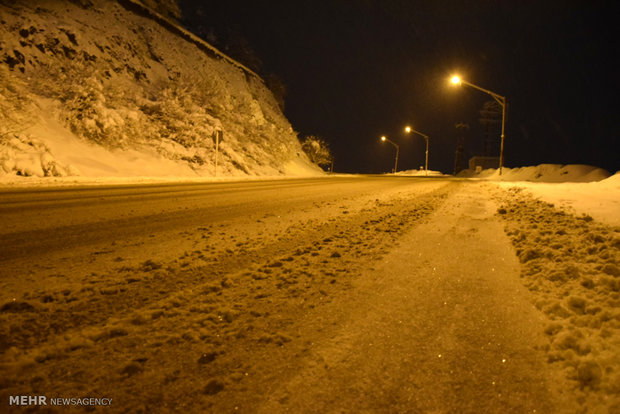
(408, 129)
(456, 80)
(383, 139)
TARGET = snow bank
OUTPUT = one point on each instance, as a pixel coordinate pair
(550, 173)
(598, 199)
(570, 264)
(580, 189)
(422, 173)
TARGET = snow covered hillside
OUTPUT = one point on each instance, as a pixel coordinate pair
(112, 88)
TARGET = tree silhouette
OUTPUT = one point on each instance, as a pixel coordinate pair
(317, 150)
(278, 88)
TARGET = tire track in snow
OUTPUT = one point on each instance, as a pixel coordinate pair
(198, 314)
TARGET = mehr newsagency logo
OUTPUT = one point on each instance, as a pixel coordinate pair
(26, 400)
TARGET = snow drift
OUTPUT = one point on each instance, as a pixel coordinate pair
(548, 173)
(100, 88)
(580, 189)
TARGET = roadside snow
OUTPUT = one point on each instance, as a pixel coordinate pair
(548, 173)
(579, 189)
(422, 173)
(570, 264)
(600, 199)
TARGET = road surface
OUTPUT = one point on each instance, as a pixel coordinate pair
(339, 294)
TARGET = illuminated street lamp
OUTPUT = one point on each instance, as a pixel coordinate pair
(383, 139)
(408, 130)
(456, 80)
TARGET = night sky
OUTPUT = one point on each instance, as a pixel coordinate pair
(355, 70)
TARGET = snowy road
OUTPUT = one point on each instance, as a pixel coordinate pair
(41, 222)
(356, 294)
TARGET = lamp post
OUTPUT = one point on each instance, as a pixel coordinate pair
(456, 80)
(218, 136)
(408, 129)
(384, 139)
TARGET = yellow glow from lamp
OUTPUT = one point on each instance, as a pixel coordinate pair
(456, 80)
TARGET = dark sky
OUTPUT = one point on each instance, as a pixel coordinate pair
(357, 69)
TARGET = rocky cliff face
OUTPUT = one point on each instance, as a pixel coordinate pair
(84, 77)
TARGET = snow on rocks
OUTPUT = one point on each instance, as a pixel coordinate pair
(570, 264)
(22, 155)
(124, 82)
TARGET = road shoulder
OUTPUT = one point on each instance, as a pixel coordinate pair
(442, 324)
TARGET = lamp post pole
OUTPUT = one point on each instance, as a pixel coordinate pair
(217, 138)
(500, 100)
(501, 150)
(384, 138)
(409, 129)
